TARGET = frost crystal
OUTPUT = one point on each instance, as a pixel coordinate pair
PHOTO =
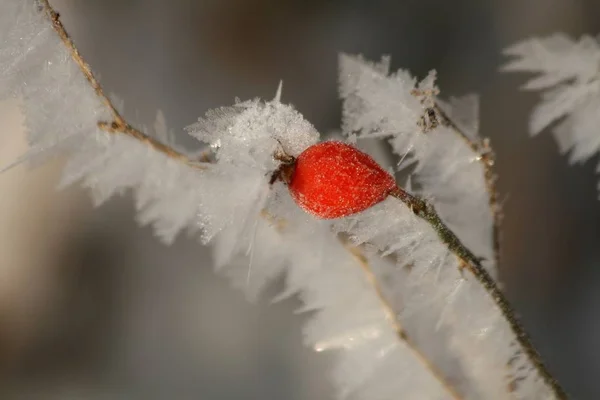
(569, 74)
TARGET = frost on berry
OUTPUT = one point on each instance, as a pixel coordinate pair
(334, 179)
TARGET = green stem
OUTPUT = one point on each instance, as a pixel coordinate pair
(471, 263)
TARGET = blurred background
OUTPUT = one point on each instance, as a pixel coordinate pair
(94, 307)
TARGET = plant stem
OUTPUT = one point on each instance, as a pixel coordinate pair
(392, 316)
(119, 124)
(471, 263)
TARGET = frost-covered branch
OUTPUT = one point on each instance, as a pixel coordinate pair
(118, 123)
(401, 332)
(467, 260)
(369, 265)
(416, 314)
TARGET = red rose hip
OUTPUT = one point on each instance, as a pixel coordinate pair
(334, 179)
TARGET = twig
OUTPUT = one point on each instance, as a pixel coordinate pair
(280, 224)
(396, 325)
(128, 130)
(119, 124)
(471, 263)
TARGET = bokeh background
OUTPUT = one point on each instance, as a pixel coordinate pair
(94, 307)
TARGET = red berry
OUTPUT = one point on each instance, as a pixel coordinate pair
(334, 179)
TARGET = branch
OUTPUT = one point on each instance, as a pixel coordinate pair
(119, 124)
(392, 316)
(472, 264)
(395, 322)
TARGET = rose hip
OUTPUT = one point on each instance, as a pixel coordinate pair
(334, 179)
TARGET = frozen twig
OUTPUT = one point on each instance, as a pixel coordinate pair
(395, 322)
(472, 264)
(392, 316)
(119, 124)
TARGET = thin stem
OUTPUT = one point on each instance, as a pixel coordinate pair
(119, 125)
(396, 325)
(128, 130)
(471, 263)
(485, 155)
(280, 224)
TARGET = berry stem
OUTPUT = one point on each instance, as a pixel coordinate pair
(468, 261)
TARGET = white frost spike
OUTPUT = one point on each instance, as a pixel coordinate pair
(379, 104)
(450, 173)
(162, 132)
(277, 98)
(557, 58)
(22, 44)
(375, 105)
(464, 112)
(569, 72)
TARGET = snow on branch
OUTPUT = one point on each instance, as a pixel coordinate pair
(410, 308)
(569, 76)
